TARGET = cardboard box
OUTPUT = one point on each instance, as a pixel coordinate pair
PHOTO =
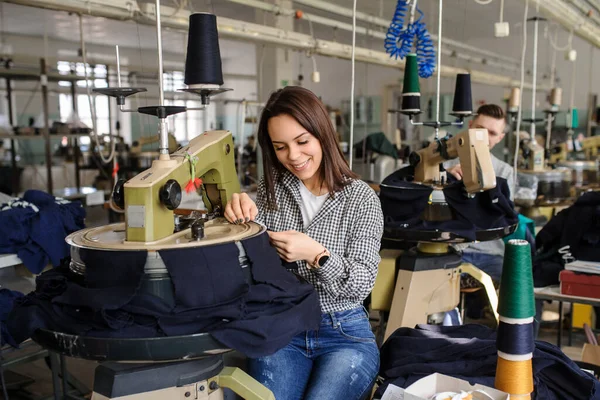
(591, 354)
(582, 285)
(426, 387)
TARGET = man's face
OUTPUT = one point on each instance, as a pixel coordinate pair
(495, 128)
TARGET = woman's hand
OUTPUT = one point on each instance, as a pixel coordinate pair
(295, 246)
(240, 209)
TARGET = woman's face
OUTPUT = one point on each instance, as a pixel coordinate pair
(298, 150)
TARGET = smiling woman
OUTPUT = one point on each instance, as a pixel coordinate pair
(329, 224)
(295, 128)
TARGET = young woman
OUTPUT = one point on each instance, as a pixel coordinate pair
(322, 217)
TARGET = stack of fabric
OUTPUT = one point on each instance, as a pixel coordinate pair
(255, 315)
(35, 226)
(469, 352)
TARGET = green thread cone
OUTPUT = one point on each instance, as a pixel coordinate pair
(574, 119)
(516, 288)
(411, 75)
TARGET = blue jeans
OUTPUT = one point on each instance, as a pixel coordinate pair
(490, 264)
(340, 360)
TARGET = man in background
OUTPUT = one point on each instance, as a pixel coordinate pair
(487, 256)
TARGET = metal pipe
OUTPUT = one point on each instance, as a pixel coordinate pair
(240, 145)
(571, 18)
(336, 9)
(352, 86)
(44, 85)
(533, 83)
(595, 4)
(163, 128)
(74, 140)
(587, 11)
(489, 58)
(13, 151)
(234, 29)
(118, 66)
(439, 66)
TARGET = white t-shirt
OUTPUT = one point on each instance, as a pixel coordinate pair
(310, 205)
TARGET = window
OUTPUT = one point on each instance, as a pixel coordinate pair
(172, 81)
(96, 79)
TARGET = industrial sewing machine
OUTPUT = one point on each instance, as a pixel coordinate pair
(166, 367)
(412, 285)
(580, 155)
(588, 146)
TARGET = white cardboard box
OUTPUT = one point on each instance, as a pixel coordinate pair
(426, 387)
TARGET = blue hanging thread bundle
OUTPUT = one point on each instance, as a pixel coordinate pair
(399, 40)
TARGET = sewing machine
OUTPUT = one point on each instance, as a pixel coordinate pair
(588, 145)
(413, 284)
(167, 367)
(150, 197)
(187, 365)
(471, 147)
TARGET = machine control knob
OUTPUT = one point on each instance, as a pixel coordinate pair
(170, 194)
(414, 159)
(118, 194)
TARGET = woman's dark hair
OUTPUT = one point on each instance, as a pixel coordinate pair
(306, 108)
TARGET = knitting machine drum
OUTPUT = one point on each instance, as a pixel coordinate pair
(441, 236)
(554, 185)
(157, 349)
(437, 209)
(156, 279)
(584, 173)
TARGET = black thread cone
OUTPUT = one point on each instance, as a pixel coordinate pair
(411, 103)
(203, 61)
(463, 103)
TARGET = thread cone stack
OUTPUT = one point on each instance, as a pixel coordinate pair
(411, 91)
(516, 307)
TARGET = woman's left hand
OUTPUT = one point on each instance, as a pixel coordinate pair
(295, 246)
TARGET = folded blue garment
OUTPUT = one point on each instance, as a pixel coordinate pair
(35, 228)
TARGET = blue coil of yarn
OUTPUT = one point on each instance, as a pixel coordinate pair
(399, 40)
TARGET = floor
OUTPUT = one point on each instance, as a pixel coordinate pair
(39, 386)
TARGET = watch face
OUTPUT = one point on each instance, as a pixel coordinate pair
(323, 260)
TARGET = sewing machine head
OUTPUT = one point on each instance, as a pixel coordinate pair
(206, 164)
(472, 149)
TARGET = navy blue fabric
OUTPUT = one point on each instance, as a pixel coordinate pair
(293, 306)
(38, 237)
(256, 316)
(403, 202)
(469, 352)
(577, 227)
(109, 269)
(205, 276)
(7, 298)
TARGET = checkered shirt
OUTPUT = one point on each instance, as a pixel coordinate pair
(349, 226)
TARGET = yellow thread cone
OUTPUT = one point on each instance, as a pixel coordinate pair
(514, 378)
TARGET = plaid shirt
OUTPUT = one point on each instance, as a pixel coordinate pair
(349, 226)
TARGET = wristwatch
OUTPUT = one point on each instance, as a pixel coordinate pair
(320, 259)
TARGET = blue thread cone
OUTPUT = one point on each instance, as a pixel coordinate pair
(203, 60)
(463, 102)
